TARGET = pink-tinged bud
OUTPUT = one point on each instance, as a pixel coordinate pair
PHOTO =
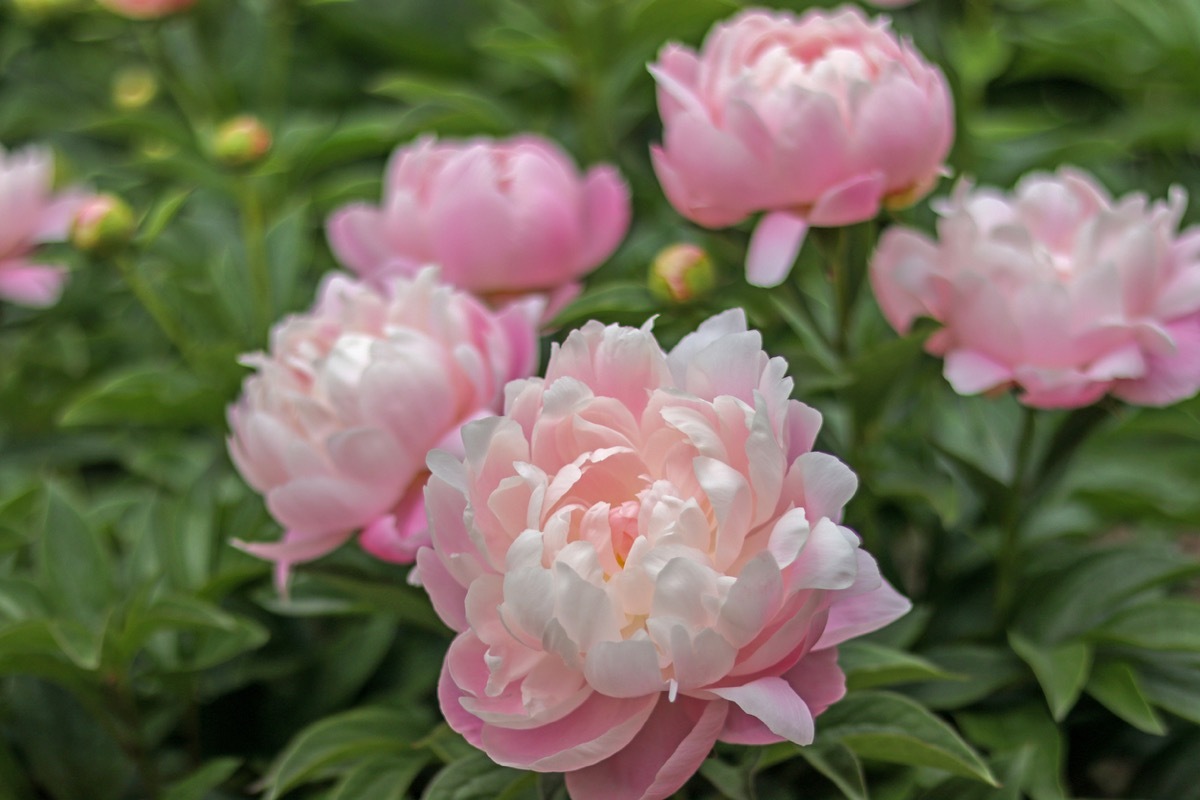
(103, 224)
(1055, 288)
(681, 273)
(146, 9)
(134, 88)
(241, 141)
(816, 120)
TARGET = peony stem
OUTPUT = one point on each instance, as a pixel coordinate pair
(1008, 562)
(156, 308)
(254, 240)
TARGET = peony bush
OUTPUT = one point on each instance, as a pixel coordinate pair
(456, 400)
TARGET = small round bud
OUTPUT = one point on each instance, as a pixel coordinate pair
(103, 224)
(241, 141)
(134, 88)
(681, 272)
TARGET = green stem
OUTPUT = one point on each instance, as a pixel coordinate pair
(254, 239)
(1009, 562)
(150, 300)
(126, 709)
(150, 39)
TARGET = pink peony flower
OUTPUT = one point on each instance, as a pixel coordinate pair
(31, 214)
(335, 425)
(641, 557)
(816, 120)
(502, 218)
(146, 9)
(1056, 289)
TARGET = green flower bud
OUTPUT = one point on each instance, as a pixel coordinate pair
(241, 141)
(103, 224)
(681, 273)
(134, 88)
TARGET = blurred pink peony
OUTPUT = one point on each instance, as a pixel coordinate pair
(146, 9)
(502, 218)
(31, 214)
(641, 557)
(816, 120)
(1056, 289)
(335, 426)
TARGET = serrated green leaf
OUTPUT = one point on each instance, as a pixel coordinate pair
(340, 739)
(200, 783)
(870, 665)
(1061, 670)
(1168, 625)
(477, 777)
(1116, 686)
(890, 727)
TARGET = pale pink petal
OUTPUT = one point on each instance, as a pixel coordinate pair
(774, 247)
(774, 702)
(33, 285)
(666, 752)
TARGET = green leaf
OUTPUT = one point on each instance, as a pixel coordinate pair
(612, 302)
(76, 571)
(1092, 588)
(476, 777)
(446, 745)
(890, 727)
(1031, 737)
(199, 784)
(394, 599)
(1116, 686)
(839, 764)
(1172, 684)
(381, 778)
(730, 780)
(1168, 625)
(77, 642)
(870, 665)
(161, 394)
(161, 215)
(984, 669)
(1061, 670)
(215, 636)
(339, 739)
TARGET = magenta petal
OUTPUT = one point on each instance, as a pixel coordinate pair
(855, 200)
(774, 245)
(666, 752)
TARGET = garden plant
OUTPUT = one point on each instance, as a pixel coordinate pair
(599, 399)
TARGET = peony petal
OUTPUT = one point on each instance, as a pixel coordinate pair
(776, 704)
(659, 760)
(774, 247)
(32, 285)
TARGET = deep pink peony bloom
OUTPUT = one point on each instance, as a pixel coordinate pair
(31, 214)
(502, 218)
(146, 9)
(335, 425)
(816, 120)
(641, 557)
(1056, 289)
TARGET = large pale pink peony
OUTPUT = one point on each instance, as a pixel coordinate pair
(502, 218)
(30, 214)
(641, 557)
(1056, 289)
(335, 426)
(817, 120)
